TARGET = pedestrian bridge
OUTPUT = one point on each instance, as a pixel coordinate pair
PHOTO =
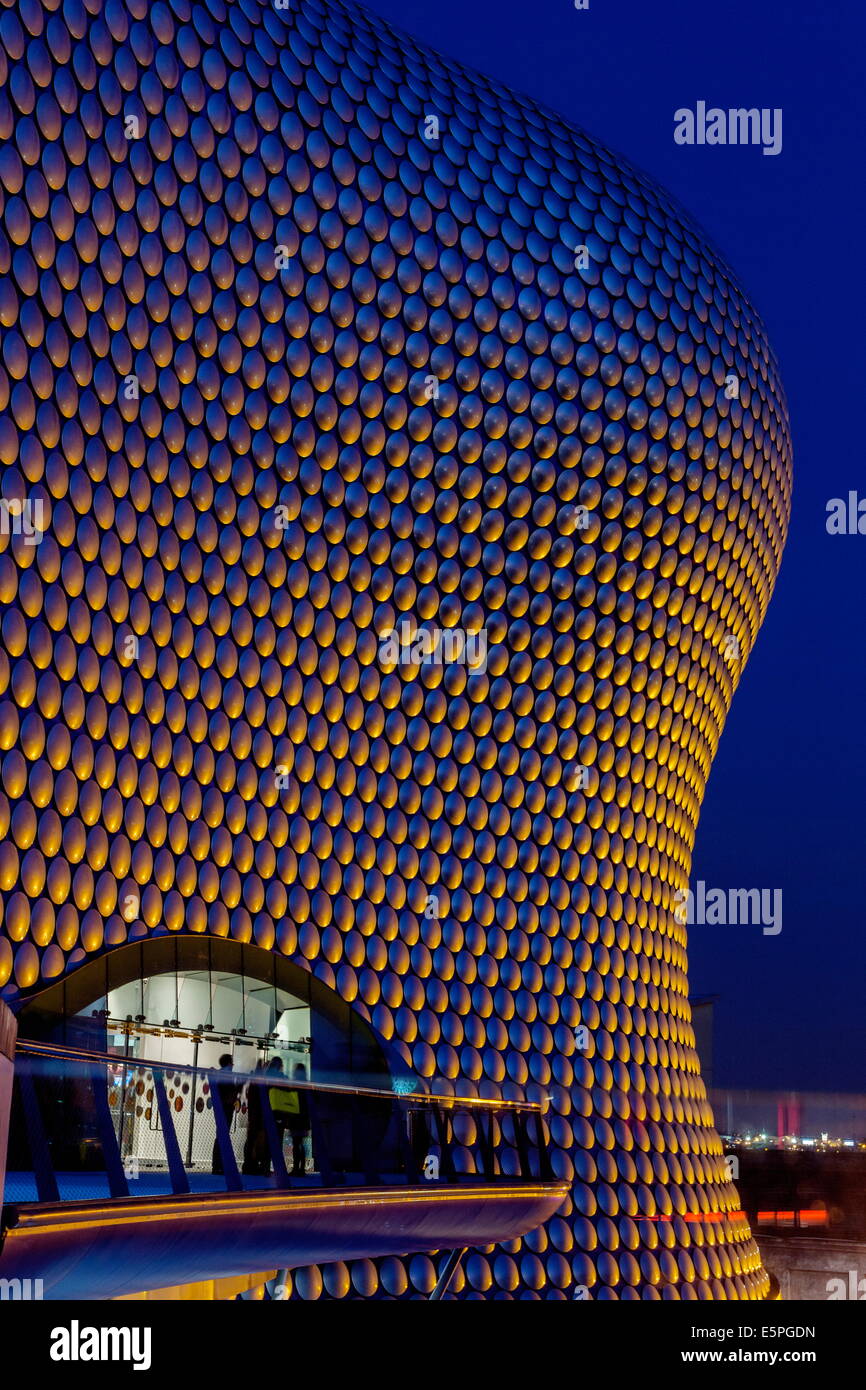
(94, 1212)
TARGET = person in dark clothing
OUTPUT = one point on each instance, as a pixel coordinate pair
(256, 1146)
(225, 1095)
(299, 1125)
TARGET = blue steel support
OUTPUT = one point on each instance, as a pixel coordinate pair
(177, 1172)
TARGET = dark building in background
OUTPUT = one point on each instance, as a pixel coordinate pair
(702, 1009)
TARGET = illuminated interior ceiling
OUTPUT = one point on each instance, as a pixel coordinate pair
(306, 332)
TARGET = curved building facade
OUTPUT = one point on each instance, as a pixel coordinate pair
(394, 483)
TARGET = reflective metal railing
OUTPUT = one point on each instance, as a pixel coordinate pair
(93, 1125)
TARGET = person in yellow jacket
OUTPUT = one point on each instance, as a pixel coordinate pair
(299, 1125)
(292, 1113)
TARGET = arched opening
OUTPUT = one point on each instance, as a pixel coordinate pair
(190, 1000)
(177, 1014)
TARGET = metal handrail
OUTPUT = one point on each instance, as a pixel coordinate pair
(26, 1047)
(435, 1113)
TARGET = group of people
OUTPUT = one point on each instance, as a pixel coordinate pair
(289, 1107)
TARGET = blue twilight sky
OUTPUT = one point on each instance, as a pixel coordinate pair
(784, 808)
